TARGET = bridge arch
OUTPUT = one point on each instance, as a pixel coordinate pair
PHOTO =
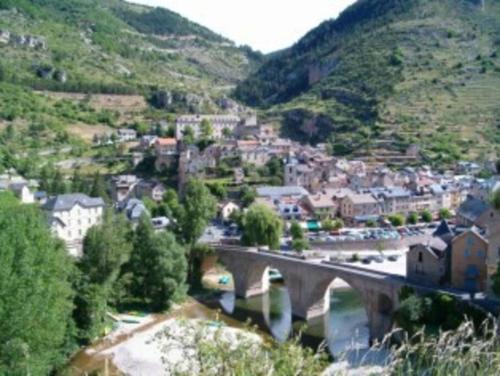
(309, 283)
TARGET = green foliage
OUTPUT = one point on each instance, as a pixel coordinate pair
(106, 249)
(397, 220)
(296, 231)
(444, 213)
(435, 312)
(157, 266)
(218, 355)
(199, 208)
(426, 216)
(99, 188)
(248, 195)
(495, 200)
(366, 76)
(338, 224)
(412, 218)
(262, 226)
(35, 293)
(300, 244)
(218, 189)
(328, 225)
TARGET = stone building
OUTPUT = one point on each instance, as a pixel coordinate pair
(426, 263)
(71, 216)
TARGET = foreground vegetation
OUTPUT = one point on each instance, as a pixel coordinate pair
(458, 352)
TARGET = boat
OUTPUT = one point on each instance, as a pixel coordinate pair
(275, 275)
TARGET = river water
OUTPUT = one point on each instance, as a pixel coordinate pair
(344, 327)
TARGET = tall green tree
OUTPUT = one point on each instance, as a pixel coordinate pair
(199, 208)
(106, 248)
(98, 188)
(35, 293)
(158, 266)
(262, 226)
(206, 129)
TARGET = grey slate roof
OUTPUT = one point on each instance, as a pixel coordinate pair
(68, 201)
(443, 230)
(472, 208)
(276, 192)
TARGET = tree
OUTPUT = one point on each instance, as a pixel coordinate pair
(35, 293)
(339, 223)
(158, 267)
(262, 226)
(444, 213)
(300, 245)
(397, 220)
(206, 129)
(199, 208)
(226, 132)
(327, 225)
(426, 216)
(98, 188)
(412, 218)
(106, 248)
(495, 200)
(78, 183)
(218, 189)
(188, 136)
(248, 195)
(296, 231)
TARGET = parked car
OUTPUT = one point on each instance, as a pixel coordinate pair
(393, 258)
(378, 259)
(366, 260)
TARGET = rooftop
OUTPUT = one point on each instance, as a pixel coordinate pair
(68, 201)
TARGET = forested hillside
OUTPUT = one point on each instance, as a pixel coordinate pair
(389, 73)
(113, 46)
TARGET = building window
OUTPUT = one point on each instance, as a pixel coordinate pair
(467, 253)
(470, 240)
(420, 257)
(480, 253)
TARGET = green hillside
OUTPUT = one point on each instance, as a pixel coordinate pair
(389, 73)
(113, 46)
(82, 52)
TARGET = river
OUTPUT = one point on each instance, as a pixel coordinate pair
(344, 327)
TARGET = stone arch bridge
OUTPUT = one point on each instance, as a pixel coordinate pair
(308, 283)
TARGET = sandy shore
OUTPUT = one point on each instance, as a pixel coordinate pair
(169, 346)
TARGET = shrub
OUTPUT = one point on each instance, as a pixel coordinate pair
(426, 216)
(397, 220)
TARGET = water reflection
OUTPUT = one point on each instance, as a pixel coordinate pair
(345, 327)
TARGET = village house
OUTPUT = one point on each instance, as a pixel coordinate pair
(221, 124)
(469, 261)
(123, 187)
(426, 263)
(126, 135)
(394, 200)
(133, 209)
(226, 209)
(472, 212)
(360, 207)
(150, 188)
(22, 191)
(322, 205)
(166, 153)
(70, 216)
(147, 142)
